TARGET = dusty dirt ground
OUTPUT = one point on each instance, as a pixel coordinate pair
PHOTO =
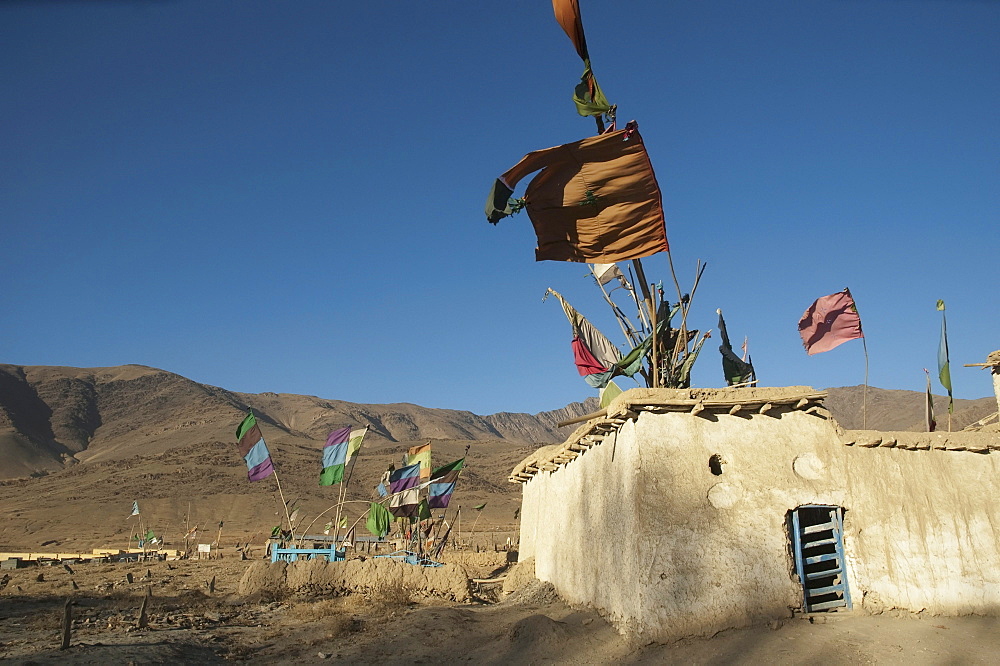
(190, 623)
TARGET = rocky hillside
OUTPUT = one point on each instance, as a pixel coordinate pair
(54, 417)
(901, 410)
(51, 417)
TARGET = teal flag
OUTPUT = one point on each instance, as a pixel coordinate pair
(944, 365)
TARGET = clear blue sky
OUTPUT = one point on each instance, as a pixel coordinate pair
(288, 196)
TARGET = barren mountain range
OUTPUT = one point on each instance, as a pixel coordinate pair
(52, 417)
(78, 443)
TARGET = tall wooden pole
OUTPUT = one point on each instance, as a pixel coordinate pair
(282, 496)
(654, 352)
(347, 481)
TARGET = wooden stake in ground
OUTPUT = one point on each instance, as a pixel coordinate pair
(143, 621)
(67, 624)
(187, 531)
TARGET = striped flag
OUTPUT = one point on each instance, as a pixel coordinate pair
(341, 445)
(443, 482)
(404, 478)
(135, 509)
(944, 365)
(420, 454)
(254, 450)
(405, 504)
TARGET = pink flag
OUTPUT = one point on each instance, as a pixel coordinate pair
(830, 321)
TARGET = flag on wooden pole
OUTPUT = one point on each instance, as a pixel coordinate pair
(929, 405)
(379, 520)
(944, 365)
(341, 446)
(420, 454)
(405, 504)
(442, 485)
(254, 449)
(404, 478)
(735, 369)
(595, 200)
(588, 97)
(830, 321)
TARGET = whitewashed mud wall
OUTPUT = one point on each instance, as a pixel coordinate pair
(667, 549)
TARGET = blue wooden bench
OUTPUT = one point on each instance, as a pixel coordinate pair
(294, 554)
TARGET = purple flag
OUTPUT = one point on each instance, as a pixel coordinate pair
(404, 478)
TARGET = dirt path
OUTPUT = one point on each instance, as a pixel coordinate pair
(191, 623)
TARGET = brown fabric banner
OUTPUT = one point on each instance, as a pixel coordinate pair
(595, 200)
(568, 15)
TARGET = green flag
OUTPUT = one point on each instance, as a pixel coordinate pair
(609, 393)
(379, 520)
(735, 369)
(944, 366)
(340, 448)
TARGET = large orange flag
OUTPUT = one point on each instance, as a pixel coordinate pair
(595, 200)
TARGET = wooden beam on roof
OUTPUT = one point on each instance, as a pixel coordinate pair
(586, 417)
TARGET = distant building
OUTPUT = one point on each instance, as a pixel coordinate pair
(688, 511)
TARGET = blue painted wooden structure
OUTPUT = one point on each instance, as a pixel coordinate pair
(410, 557)
(817, 539)
(293, 554)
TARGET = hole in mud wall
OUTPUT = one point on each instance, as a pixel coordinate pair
(716, 463)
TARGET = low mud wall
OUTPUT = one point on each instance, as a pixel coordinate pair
(317, 578)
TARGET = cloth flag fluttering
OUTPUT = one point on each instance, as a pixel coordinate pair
(379, 520)
(423, 510)
(588, 97)
(341, 445)
(598, 370)
(254, 450)
(830, 321)
(593, 353)
(404, 478)
(605, 273)
(135, 509)
(944, 365)
(929, 405)
(420, 454)
(735, 369)
(595, 200)
(404, 504)
(443, 482)
(609, 393)
(383, 485)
